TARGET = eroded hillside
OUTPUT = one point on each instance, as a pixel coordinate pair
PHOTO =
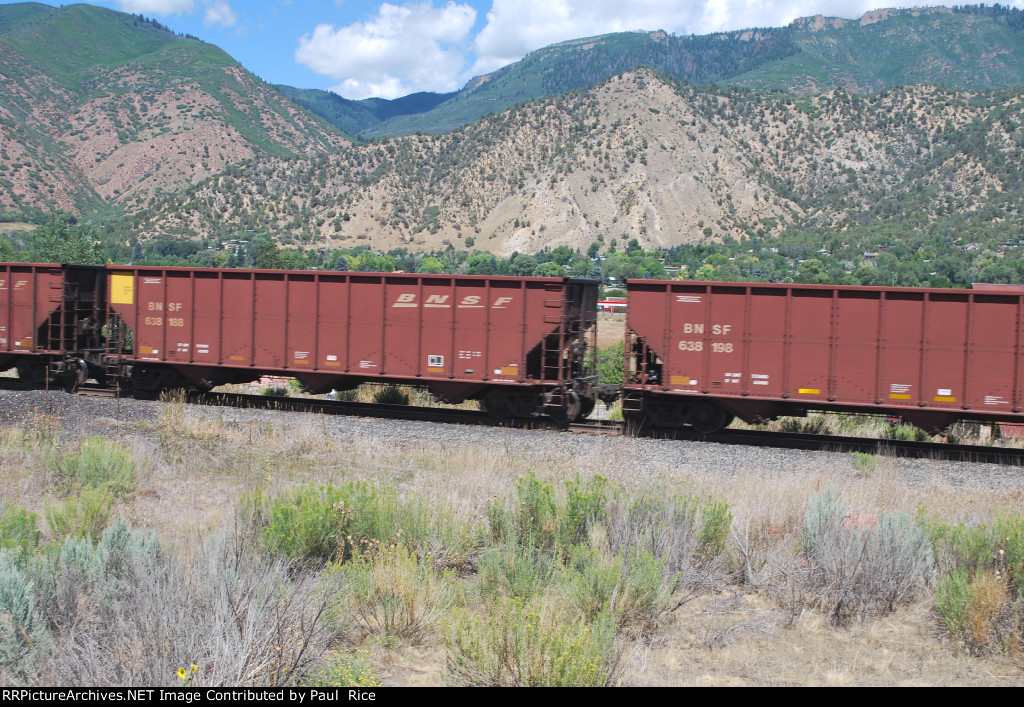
(636, 157)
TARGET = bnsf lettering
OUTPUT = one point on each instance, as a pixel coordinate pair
(408, 299)
(698, 328)
(159, 306)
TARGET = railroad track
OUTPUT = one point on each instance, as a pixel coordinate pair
(751, 438)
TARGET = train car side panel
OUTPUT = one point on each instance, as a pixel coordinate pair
(332, 307)
(209, 324)
(808, 336)
(506, 307)
(944, 354)
(470, 331)
(994, 353)
(764, 372)
(902, 340)
(854, 351)
(301, 341)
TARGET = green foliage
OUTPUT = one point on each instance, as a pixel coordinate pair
(864, 462)
(998, 546)
(97, 464)
(611, 364)
(391, 395)
(630, 588)
(318, 524)
(980, 611)
(585, 504)
(396, 594)
(63, 240)
(514, 570)
(86, 514)
(310, 524)
(529, 644)
(19, 532)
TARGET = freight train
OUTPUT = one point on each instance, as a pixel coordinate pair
(697, 354)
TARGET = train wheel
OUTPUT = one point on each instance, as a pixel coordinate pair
(707, 418)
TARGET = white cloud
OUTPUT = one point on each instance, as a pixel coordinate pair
(219, 13)
(158, 7)
(400, 50)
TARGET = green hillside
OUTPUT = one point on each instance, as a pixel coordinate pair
(102, 110)
(972, 47)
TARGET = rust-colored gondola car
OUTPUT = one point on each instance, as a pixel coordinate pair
(703, 352)
(523, 345)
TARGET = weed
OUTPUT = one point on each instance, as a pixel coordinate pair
(98, 464)
(343, 670)
(391, 395)
(864, 463)
(19, 534)
(529, 644)
(84, 515)
(396, 595)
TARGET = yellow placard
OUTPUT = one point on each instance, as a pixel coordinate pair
(944, 399)
(122, 288)
(681, 380)
(899, 396)
(510, 370)
(810, 391)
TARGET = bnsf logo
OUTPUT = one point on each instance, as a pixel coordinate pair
(441, 302)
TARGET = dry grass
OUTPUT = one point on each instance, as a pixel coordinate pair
(198, 462)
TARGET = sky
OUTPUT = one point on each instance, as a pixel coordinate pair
(366, 48)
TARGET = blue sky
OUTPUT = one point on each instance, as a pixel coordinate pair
(364, 48)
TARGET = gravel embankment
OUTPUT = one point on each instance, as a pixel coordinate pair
(77, 416)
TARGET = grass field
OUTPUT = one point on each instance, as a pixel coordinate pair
(418, 555)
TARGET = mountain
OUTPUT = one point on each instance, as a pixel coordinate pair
(804, 131)
(101, 111)
(642, 156)
(972, 47)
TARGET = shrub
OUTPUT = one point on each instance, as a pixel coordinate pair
(98, 464)
(584, 505)
(686, 531)
(980, 612)
(391, 395)
(859, 572)
(276, 391)
(325, 523)
(513, 570)
(309, 524)
(124, 611)
(628, 588)
(19, 533)
(22, 638)
(529, 644)
(396, 595)
(84, 515)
